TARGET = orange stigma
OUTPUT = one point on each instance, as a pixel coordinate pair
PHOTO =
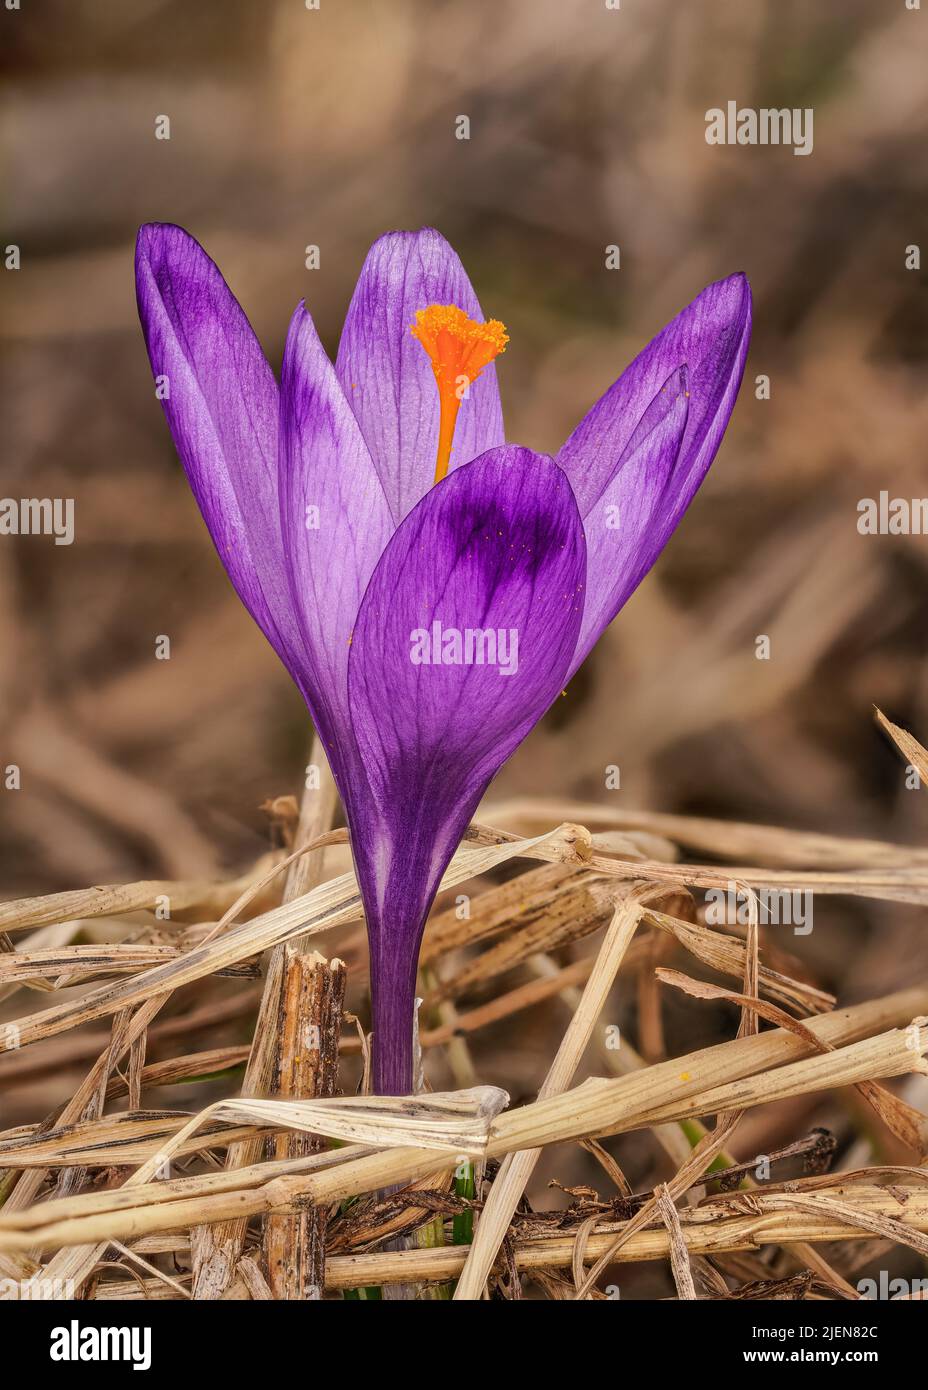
(459, 348)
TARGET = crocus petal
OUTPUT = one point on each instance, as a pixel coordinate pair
(335, 523)
(222, 408)
(498, 546)
(628, 526)
(711, 337)
(387, 377)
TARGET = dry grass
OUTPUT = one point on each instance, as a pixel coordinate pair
(91, 1191)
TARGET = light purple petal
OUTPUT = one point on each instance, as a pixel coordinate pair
(710, 336)
(387, 377)
(222, 409)
(498, 546)
(335, 524)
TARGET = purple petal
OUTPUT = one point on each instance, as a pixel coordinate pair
(711, 338)
(387, 377)
(222, 410)
(628, 526)
(335, 524)
(497, 547)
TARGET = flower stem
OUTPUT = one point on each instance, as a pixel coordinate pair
(393, 993)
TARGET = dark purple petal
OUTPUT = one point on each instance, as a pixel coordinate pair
(222, 409)
(711, 338)
(335, 524)
(388, 378)
(496, 548)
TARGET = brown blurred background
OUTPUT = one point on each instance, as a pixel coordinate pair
(291, 127)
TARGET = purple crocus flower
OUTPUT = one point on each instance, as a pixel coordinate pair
(430, 588)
